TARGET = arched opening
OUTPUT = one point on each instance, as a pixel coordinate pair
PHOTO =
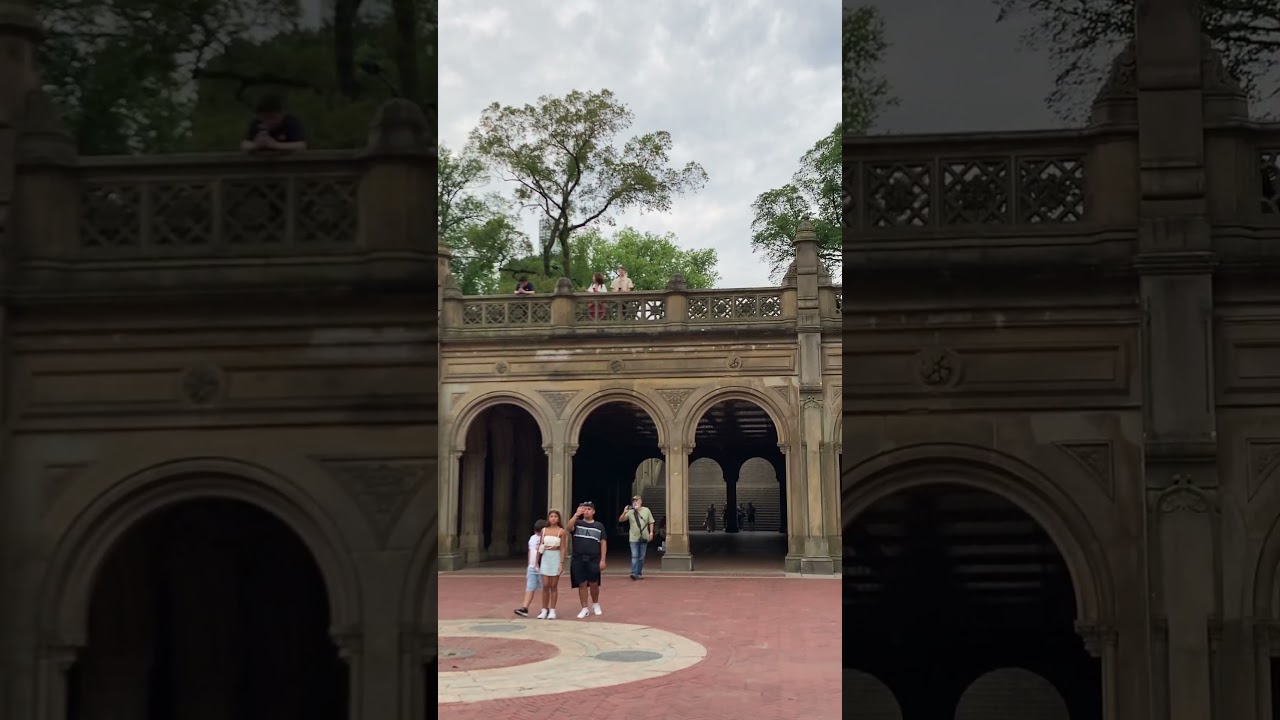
(1011, 694)
(210, 604)
(503, 484)
(944, 584)
(866, 698)
(617, 452)
(737, 489)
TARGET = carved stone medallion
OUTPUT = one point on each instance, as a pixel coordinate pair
(202, 385)
(735, 362)
(616, 366)
(557, 400)
(501, 367)
(938, 367)
(675, 397)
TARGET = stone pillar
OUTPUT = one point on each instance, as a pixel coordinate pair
(794, 512)
(500, 542)
(676, 463)
(560, 477)
(1175, 262)
(450, 506)
(471, 540)
(526, 511)
(731, 476)
(817, 552)
(831, 500)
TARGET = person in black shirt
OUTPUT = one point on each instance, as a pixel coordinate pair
(273, 129)
(524, 287)
(590, 547)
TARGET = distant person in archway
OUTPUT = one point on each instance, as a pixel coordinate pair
(751, 516)
(590, 545)
(662, 535)
(742, 517)
(597, 286)
(533, 575)
(273, 129)
(524, 286)
(710, 523)
(622, 283)
(639, 520)
(552, 565)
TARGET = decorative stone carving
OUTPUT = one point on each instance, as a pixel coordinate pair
(675, 397)
(1184, 496)
(1096, 459)
(56, 477)
(381, 487)
(1097, 638)
(202, 385)
(557, 400)
(616, 366)
(501, 367)
(938, 367)
(735, 362)
(783, 391)
(1264, 457)
(811, 401)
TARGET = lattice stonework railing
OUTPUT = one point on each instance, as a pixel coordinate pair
(194, 213)
(478, 313)
(736, 306)
(620, 310)
(960, 191)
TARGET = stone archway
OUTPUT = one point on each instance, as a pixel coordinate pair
(223, 512)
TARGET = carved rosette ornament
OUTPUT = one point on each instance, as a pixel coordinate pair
(938, 367)
(616, 366)
(202, 385)
(735, 362)
(501, 367)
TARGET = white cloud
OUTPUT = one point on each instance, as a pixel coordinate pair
(745, 88)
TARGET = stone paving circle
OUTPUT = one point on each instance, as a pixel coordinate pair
(592, 654)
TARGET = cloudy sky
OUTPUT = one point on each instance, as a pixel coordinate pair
(744, 87)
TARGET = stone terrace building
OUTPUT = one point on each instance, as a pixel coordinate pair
(219, 409)
(552, 400)
(1063, 407)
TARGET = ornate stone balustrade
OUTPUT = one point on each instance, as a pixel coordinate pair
(218, 204)
(920, 182)
(672, 308)
(1267, 154)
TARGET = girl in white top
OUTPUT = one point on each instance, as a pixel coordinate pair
(552, 564)
(597, 286)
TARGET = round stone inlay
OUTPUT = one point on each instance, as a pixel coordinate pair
(629, 656)
(497, 627)
(456, 652)
(631, 653)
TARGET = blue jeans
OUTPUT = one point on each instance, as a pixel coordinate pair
(637, 557)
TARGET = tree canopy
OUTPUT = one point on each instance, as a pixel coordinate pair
(145, 76)
(650, 259)
(814, 194)
(1084, 37)
(564, 156)
(865, 92)
(480, 230)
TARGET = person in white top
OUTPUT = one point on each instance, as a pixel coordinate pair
(596, 309)
(622, 283)
(532, 576)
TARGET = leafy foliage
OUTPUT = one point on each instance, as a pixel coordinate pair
(865, 92)
(480, 231)
(1083, 38)
(650, 259)
(814, 194)
(562, 154)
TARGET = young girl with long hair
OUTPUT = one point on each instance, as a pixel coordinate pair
(552, 564)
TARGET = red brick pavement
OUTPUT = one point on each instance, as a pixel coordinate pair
(493, 653)
(773, 647)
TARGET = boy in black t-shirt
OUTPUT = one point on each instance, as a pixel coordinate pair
(590, 547)
(273, 129)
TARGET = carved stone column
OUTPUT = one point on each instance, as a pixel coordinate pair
(817, 555)
(560, 477)
(502, 439)
(450, 507)
(473, 461)
(797, 507)
(1100, 642)
(830, 452)
(526, 512)
(677, 556)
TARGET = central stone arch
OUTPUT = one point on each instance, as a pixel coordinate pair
(694, 411)
(583, 410)
(985, 469)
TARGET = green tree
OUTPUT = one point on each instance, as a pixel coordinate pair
(815, 194)
(650, 259)
(865, 92)
(480, 231)
(1083, 38)
(563, 156)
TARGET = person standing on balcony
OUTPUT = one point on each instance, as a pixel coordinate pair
(622, 283)
(524, 286)
(273, 129)
(597, 286)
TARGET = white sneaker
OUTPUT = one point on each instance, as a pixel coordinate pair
(583, 613)
(551, 615)
(542, 615)
(595, 608)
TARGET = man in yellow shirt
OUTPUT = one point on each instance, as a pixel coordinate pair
(622, 283)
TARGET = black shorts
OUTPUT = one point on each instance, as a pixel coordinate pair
(584, 569)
